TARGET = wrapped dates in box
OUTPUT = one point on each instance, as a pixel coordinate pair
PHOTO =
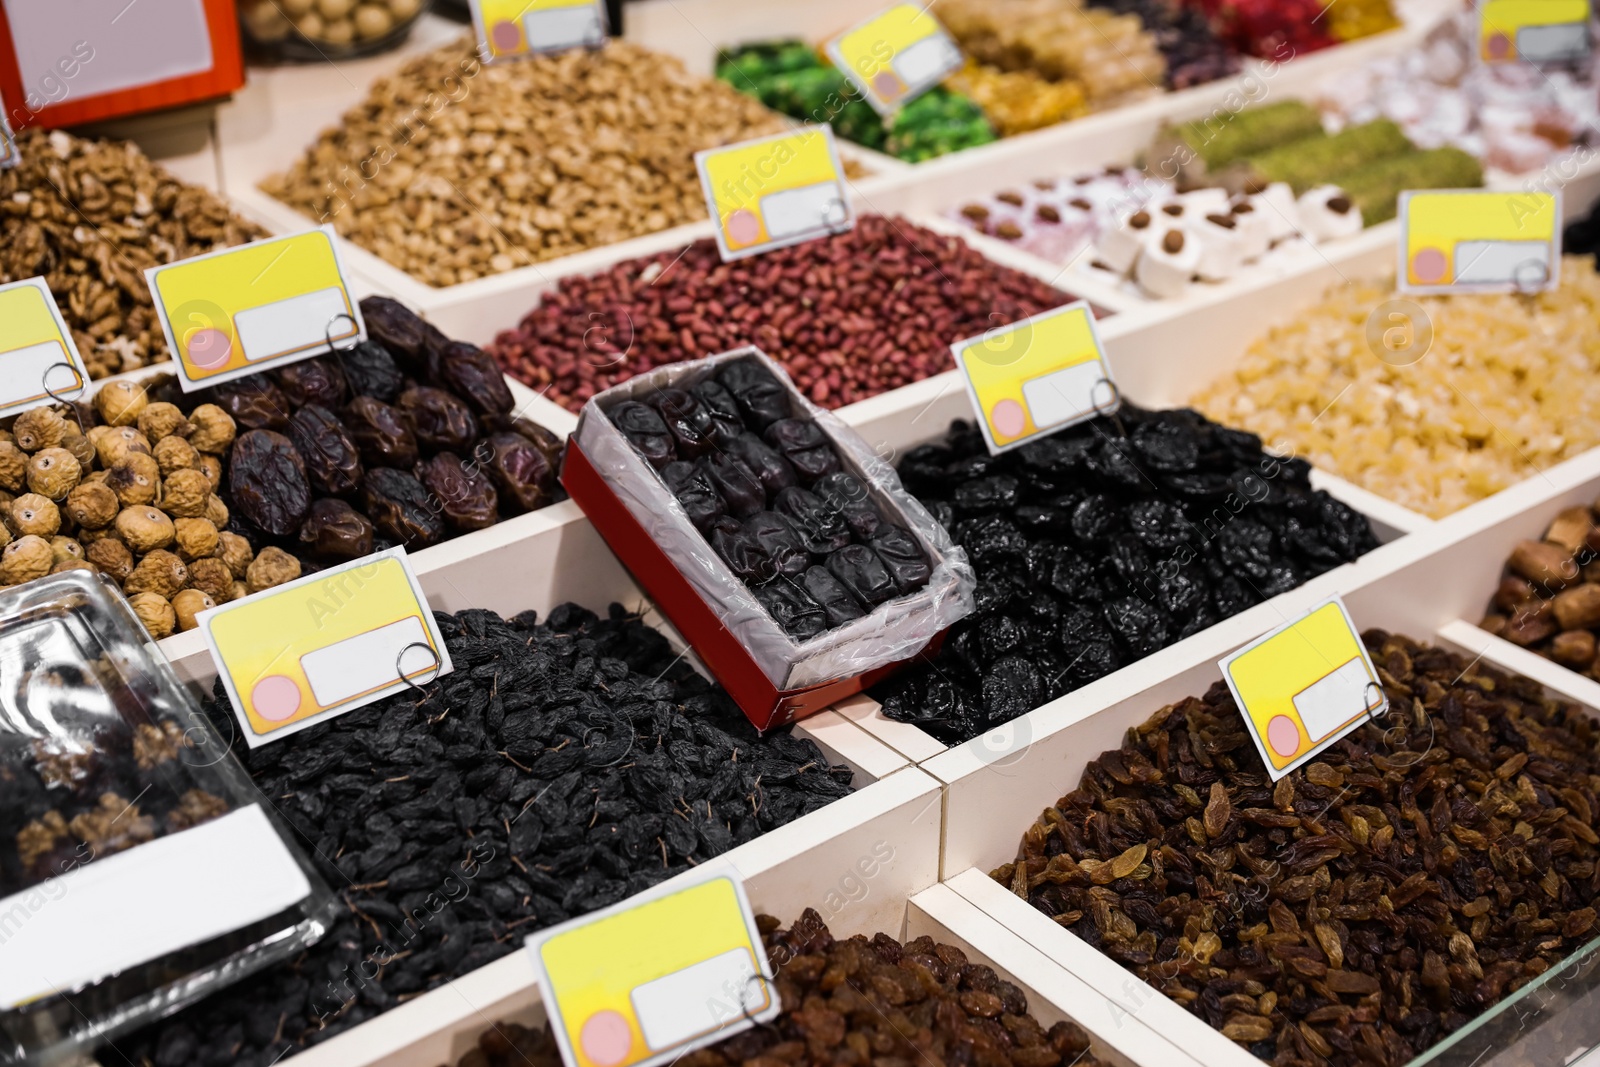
(781, 547)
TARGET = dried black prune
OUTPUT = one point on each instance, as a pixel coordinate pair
(691, 484)
(794, 610)
(724, 421)
(371, 371)
(735, 483)
(522, 475)
(769, 467)
(254, 402)
(313, 381)
(762, 401)
(646, 431)
(741, 551)
(466, 496)
(687, 420)
(395, 327)
(401, 509)
(335, 532)
(382, 433)
(821, 528)
(903, 557)
(837, 601)
(777, 537)
(805, 446)
(267, 482)
(863, 573)
(845, 493)
(471, 374)
(332, 461)
(439, 420)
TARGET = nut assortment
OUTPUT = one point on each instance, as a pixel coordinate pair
(336, 23)
(848, 316)
(90, 216)
(1365, 906)
(1548, 600)
(453, 170)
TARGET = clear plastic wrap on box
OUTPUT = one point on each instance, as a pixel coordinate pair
(895, 630)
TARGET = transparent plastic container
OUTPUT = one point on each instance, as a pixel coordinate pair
(315, 31)
(140, 869)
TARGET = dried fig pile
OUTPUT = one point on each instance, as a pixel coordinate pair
(1094, 550)
(1363, 907)
(1548, 600)
(855, 1003)
(90, 216)
(564, 765)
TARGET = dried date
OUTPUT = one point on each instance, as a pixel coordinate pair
(267, 482)
(254, 401)
(522, 475)
(371, 371)
(472, 374)
(335, 532)
(400, 507)
(440, 422)
(333, 463)
(313, 381)
(381, 432)
(466, 496)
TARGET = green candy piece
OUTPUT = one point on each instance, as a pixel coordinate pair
(1225, 137)
(1316, 160)
(1376, 188)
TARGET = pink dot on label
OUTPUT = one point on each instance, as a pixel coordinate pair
(1283, 735)
(605, 1037)
(743, 226)
(275, 697)
(886, 85)
(209, 347)
(1429, 265)
(1008, 417)
(507, 38)
(1499, 46)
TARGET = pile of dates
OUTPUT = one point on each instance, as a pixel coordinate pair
(770, 494)
(1364, 906)
(563, 765)
(1101, 544)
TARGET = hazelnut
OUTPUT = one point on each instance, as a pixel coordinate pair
(80, 447)
(175, 454)
(65, 548)
(111, 556)
(136, 480)
(121, 403)
(115, 445)
(189, 603)
(39, 428)
(184, 494)
(92, 505)
(211, 467)
(159, 572)
(145, 528)
(216, 511)
(196, 538)
(36, 515)
(13, 467)
(212, 577)
(236, 552)
(162, 420)
(155, 611)
(53, 472)
(25, 559)
(213, 429)
(272, 566)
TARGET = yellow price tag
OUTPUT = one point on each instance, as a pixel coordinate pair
(295, 655)
(896, 56)
(1037, 376)
(775, 191)
(656, 976)
(1533, 31)
(38, 360)
(239, 310)
(1469, 240)
(1304, 686)
(530, 27)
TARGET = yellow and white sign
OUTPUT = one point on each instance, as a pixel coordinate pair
(37, 355)
(896, 56)
(775, 191)
(1469, 240)
(511, 28)
(656, 976)
(1304, 686)
(1533, 31)
(1036, 376)
(239, 310)
(326, 644)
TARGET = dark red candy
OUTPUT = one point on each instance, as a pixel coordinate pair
(725, 421)
(687, 420)
(646, 431)
(837, 601)
(844, 492)
(522, 475)
(333, 463)
(381, 432)
(777, 537)
(821, 529)
(863, 573)
(795, 611)
(441, 421)
(805, 446)
(735, 483)
(762, 401)
(335, 532)
(770, 468)
(313, 381)
(902, 556)
(739, 550)
(691, 484)
(466, 495)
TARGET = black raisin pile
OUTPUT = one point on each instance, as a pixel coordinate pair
(1094, 549)
(561, 767)
(770, 494)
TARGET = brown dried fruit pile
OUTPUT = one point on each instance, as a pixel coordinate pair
(1363, 907)
(1549, 596)
(90, 216)
(858, 1002)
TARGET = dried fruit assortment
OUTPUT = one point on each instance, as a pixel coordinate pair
(1548, 600)
(848, 316)
(1094, 550)
(90, 216)
(515, 163)
(564, 765)
(859, 1000)
(1279, 29)
(1506, 386)
(1363, 907)
(1194, 54)
(773, 498)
